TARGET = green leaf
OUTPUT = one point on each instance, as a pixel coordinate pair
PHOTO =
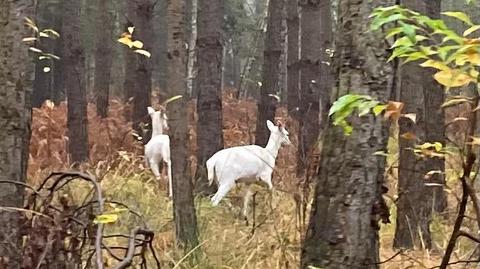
(402, 42)
(459, 15)
(365, 107)
(400, 52)
(438, 146)
(342, 102)
(393, 31)
(105, 218)
(378, 109)
(415, 56)
(378, 22)
(471, 30)
(409, 30)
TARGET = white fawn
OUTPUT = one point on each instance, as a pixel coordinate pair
(158, 148)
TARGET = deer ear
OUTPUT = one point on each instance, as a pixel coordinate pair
(150, 110)
(270, 126)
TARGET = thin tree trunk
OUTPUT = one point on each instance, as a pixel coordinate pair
(160, 55)
(315, 81)
(143, 70)
(16, 76)
(423, 97)
(209, 85)
(271, 71)
(184, 211)
(48, 16)
(74, 76)
(103, 58)
(129, 80)
(434, 121)
(293, 75)
(343, 227)
(58, 73)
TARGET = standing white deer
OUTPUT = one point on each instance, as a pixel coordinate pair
(246, 164)
(158, 148)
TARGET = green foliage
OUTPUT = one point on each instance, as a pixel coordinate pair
(454, 56)
(345, 106)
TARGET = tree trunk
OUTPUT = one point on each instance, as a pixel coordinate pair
(103, 58)
(424, 97)
(16, 76)
(143, 70)
(58, 73)
(184, 211)
(343, 227)
(74, 76)
(434, 121)
(159, 69)
(48, 16)
(209, 85)
(315, 90)
(293, 75)
(129, 81)
(271, 71)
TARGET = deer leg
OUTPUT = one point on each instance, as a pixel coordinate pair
(223, 189)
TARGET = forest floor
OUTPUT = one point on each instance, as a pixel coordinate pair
(271, 240)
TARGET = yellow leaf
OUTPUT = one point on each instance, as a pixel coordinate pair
(137, 44)
(42, 34)
(125, 40)
(171, 99)
(435, 64)
(51, 31)
(143, 52)
(130, 29)
(46, 69)
(28, 39)
(452, 78)
(471, 30)
(105, 218)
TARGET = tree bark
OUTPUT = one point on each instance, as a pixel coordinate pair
(184, 211)
(48, 15)
(129, 80)
(74, 76)
(343, 227)
(271, 71)
(103, 58)
(159, 70)
(209, 85)
(143, 69)
(58, 73)
(424, 97)
(293, 75)
(435, 121)
(314, 76)
(16, 77)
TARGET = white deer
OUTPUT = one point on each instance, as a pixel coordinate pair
(246, 164)
(158, 148)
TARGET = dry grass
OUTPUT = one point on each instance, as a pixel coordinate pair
(227, 241)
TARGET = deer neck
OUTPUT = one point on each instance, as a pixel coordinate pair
(273, 146)
(157, 128)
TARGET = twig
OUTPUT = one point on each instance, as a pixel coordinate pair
(468, 235)
(127, 261)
